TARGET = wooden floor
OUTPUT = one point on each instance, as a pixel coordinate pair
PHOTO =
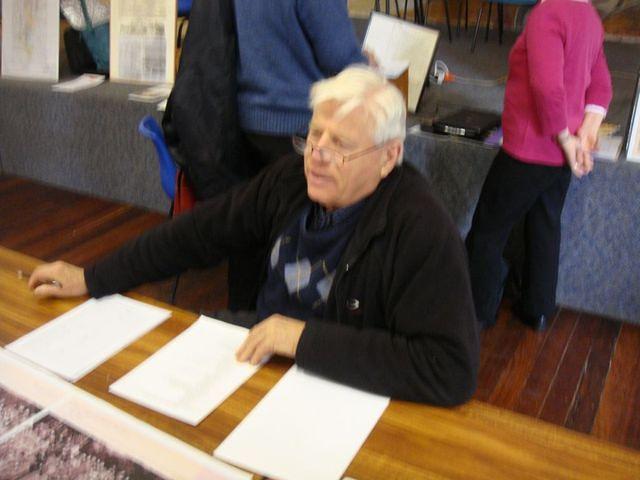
(581, 373)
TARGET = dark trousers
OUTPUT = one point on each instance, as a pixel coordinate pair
(263, 149)
(246, 267)
(511, 191)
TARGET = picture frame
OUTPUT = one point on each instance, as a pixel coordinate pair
(394, 41)
(143, 41)
(633, 132)
(30, 39)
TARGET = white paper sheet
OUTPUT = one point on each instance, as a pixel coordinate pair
(152, 94)
(78, 341)
(192, 374)
(30, 39)
(305, 427)
(393, 40)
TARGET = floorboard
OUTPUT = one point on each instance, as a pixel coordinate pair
(585, 406)
(618, 419)
(563, 389)
(546, 367)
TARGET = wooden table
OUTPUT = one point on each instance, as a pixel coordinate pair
(410, 440)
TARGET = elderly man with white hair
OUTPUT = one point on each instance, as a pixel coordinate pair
(365, 276)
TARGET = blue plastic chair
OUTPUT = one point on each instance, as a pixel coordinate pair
(150, 129)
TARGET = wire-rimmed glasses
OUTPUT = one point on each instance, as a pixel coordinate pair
(303, 145)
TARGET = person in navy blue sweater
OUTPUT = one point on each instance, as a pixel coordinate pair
(284, 47)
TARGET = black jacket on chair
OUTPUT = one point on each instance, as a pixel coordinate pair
(200, 122)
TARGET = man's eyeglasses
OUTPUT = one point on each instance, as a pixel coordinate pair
(304, 146)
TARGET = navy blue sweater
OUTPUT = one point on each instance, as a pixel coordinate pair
(285, 46)
(303, 262)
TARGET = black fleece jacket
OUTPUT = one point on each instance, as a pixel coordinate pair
(399, 319)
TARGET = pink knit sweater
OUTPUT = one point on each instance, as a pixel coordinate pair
(556, 68)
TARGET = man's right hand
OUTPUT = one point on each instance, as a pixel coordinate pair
(58, 279)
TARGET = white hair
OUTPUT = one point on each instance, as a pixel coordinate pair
(360, 85)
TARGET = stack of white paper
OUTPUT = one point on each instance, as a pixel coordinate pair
(78, 341)
(305, 427)
(192, 374)
(152, 94)
(88, 80)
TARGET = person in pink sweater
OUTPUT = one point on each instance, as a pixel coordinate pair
(557, 94)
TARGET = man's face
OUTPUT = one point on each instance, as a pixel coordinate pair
(336, 185)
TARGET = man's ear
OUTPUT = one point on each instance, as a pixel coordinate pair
(392, 153)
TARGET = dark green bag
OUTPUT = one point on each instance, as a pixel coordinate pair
(97, 41)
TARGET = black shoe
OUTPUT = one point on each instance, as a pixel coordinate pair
(538, 323)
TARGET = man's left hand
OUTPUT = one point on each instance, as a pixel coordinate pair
(276, 334)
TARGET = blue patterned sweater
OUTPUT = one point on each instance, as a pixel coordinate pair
(303, 262)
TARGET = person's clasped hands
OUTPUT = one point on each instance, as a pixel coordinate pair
(579, 160)
(578, 148)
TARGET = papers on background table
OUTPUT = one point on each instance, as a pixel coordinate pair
(192, 374)
(151, 94)
(87, 80)
(30, 39)
(305, 427)
(394, 41)
(78, 341)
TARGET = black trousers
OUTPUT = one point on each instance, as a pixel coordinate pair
(246, 267)
(511, 191)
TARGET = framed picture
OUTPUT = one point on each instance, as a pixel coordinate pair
(633, 135)
(397, 45)
(142, 42)
(30, 39)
